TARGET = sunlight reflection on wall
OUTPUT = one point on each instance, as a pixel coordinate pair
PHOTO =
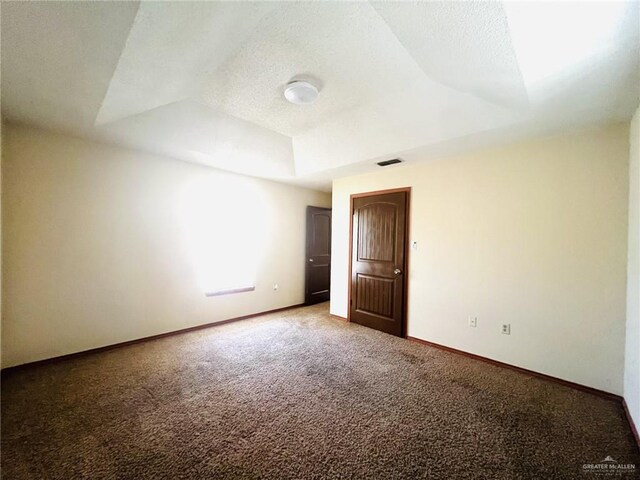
(224, 221)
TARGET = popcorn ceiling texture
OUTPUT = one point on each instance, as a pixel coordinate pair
(159, 65)
(466, 45)
(299, 395)
(394, 77)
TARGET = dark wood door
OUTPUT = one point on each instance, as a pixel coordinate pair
(318, 272)
(379, 231)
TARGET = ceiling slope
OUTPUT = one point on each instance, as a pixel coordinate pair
(465, 45)
(171, 48)
(58, 59)
(203, 81)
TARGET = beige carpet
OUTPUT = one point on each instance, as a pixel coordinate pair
(299, 395)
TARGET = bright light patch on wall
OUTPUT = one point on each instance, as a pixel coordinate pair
(224, 223)
(553, 39)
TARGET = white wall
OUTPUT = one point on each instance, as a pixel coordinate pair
(632, 349)
(534, 235)
(96, 244)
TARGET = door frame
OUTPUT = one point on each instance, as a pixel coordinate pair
(405, 266)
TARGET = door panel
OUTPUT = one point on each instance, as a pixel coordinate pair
(376, 227)
(379, 226)
(318, 269)
(375, 296)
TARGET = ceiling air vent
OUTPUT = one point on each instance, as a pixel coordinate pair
(389, 162)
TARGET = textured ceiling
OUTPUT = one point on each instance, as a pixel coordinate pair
(466, 45)
(58, 59)
(172, 48)
(203, 81)
(347, 47)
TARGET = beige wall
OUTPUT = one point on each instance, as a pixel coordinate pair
(534, 235)
(632, 350)
(96, 244)
(1, 156)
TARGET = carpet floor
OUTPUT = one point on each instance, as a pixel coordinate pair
(299, 395)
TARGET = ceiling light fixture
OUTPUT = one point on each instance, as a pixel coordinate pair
(301, 92)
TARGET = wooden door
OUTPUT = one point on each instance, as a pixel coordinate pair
(378, 266)
(318, 272)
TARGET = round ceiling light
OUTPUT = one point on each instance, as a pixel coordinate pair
(301, 92)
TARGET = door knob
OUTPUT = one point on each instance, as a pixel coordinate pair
(397, 271)
(311, 260)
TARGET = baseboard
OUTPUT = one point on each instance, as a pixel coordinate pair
(68, 356)
(566, 383)
(634, 429)
(338, 317)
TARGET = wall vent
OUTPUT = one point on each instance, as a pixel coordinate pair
(389, 162)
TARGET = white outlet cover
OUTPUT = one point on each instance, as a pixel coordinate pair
(473, 321)
(506, 329)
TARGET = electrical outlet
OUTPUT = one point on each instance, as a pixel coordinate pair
(414, 245)
(473, 321)
(275, 287)
(506, 329)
